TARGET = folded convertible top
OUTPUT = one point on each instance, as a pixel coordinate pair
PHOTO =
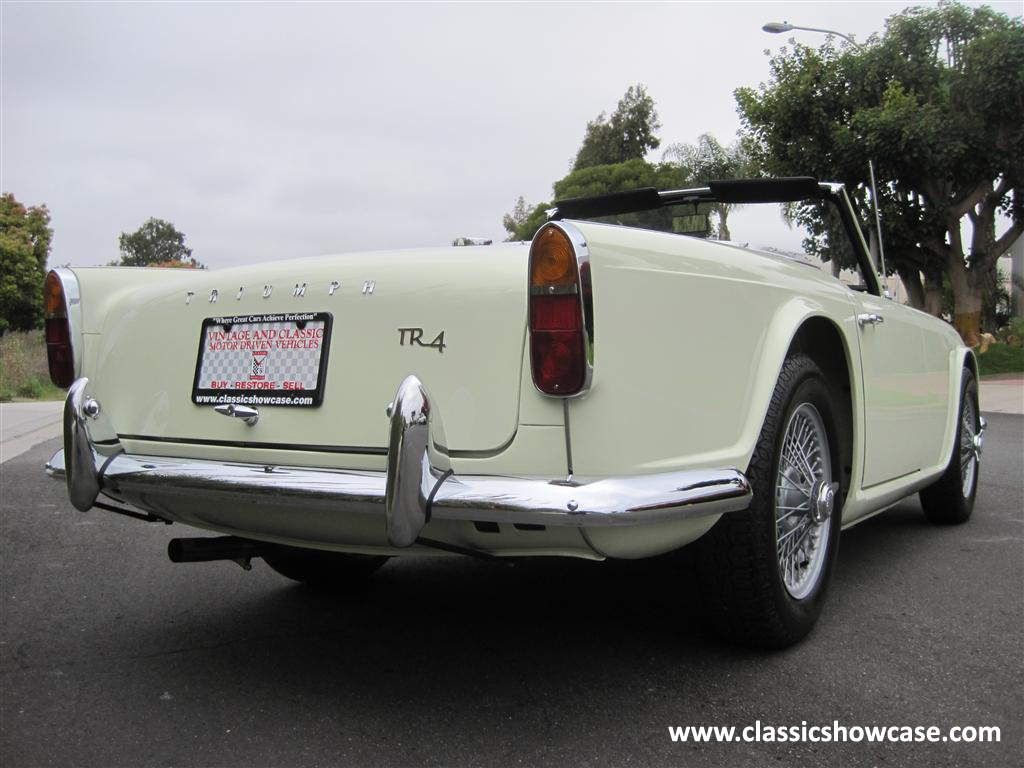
(780, 190)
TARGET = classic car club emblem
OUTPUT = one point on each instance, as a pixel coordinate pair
(415, 336)
(259, 365)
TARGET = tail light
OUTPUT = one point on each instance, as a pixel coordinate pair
(60, 342)
(561, 326)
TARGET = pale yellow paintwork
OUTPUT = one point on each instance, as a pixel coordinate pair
(148, 347)
(689, 339)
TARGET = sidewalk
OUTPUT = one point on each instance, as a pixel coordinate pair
(24, 425)
(1002, 393)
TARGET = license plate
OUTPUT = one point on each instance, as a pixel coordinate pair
(274, 359)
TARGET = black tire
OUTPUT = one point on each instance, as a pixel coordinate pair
(743, 590)
(321, 569)
(944, 502)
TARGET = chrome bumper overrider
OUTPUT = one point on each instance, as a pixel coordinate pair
(418, 485)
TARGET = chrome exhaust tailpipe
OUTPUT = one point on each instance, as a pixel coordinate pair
(205, 549)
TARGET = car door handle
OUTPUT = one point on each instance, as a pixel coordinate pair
(870, 318)
(249, 415)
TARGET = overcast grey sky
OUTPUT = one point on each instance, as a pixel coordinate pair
(273, 130)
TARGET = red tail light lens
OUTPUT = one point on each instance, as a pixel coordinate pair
(59, 351)
(555, 313)
(558, 362)
(558, 339)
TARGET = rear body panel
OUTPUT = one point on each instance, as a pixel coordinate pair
(144, 361)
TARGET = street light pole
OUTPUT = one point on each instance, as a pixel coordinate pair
(775, 28)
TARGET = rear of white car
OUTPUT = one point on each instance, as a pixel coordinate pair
(602, 392)
(371, 403)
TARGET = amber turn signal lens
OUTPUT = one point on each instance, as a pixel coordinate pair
(54, 296)
(552, 261)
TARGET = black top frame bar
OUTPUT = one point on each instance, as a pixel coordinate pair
(733, 191)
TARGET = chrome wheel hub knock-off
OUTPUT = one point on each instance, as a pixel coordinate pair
(824, 499)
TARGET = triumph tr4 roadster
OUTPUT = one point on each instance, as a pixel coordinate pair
(601, 392)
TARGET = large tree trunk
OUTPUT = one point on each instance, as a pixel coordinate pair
(723, 224)
(970, 285)
(911, 280)
(966, 302)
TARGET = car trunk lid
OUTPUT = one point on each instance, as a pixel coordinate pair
(454, 317)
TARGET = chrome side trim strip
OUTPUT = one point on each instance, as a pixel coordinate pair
(255, 445)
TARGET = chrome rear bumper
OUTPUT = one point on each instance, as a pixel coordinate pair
(418, 485)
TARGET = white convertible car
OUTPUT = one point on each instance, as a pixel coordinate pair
(601, 392)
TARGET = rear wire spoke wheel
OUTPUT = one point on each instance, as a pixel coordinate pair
(950, 499)
(805, 473)
(969, 453)
(764, 573)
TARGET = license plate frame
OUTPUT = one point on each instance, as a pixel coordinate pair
(259, 390)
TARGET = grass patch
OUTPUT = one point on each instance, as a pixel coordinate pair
(1001, 358)
(23, 368)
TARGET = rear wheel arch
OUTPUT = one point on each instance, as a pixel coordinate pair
(970, 362)
(820, 339)
(950, 499)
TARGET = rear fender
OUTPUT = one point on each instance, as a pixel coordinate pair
(708, 407)
(787, 323)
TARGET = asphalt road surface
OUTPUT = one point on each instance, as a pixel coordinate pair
(110, 655)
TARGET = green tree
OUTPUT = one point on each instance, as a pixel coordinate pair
(620, 177)
(25, 237)
(156, 242)
(707, 160)
(610, 160)
(629, 134)
(938, 103)
(524, 221)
